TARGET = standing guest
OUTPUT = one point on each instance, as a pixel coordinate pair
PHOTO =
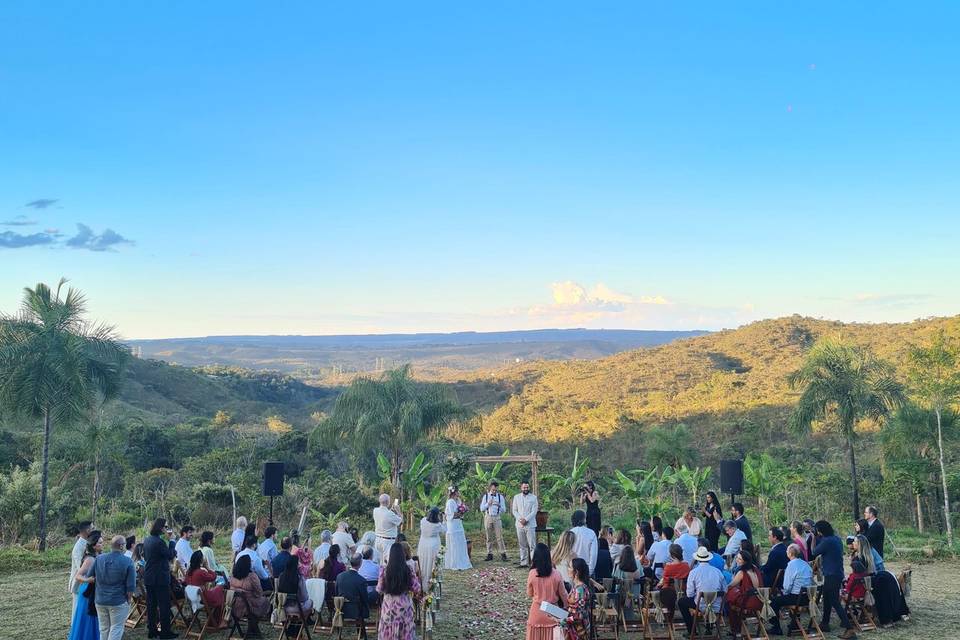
(830, 550)
(562, 555)
(687, 541)
(875, 532)
(116, 583)
(281, 559)
(742, 523)
(796, 578)
(659, 553)
(492, 506)
(386, 519)
(332, 566)
(267, 550)
(656, 525)
(713, 517)
(238, 535)
(256, 562)
(183, 549)
(703, 578)
(302, 551)
(741, 597)
(352, 585)
(586, 543)
(591, 499)
(524, 508)
(544, 584)
(76, 559)
(369, 571)
(692, 522)
(157, 555)
(206, 550)
(604, 568)
(735, 538)
(130, 542)
(578, 603)
(429, 546)
(253, 606)
(323, 549)
(797, 535)
(620, 541)
(776, 558)
(85, 624)
(457, 557)
(213, 597)
(343, 539)
(397, 584)
(809, 537)
(292, 583)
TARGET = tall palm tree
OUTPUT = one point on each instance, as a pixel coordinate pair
(55, 366)
(847, 383)
(392, 413)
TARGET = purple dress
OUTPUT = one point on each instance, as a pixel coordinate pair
(396, 612)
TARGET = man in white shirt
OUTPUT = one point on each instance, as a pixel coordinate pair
(236, 538)
(735, 538)
(268, 549)
(256, 562)
(76, 559)
(659, 552)
(492, 507)
(322, 552)
(686, 541)
(342, 538)
(693, 523)
(386, 520)
(183, 548)
(524, 509)
(586, 546)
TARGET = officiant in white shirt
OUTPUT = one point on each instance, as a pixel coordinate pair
(492, 506)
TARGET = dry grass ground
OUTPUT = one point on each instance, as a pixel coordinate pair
(488, 602)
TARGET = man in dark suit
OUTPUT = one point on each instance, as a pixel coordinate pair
(352, 586)
(875, 531)
(742, 523)
(157, 554)
(776, 559)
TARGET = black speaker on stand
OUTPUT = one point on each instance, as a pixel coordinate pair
(731, 478)
(272, 482)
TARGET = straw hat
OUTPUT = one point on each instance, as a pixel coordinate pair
(703, 555)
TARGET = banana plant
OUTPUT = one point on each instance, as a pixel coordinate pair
(412, 480)
(323, 520)
(694, 480)
(763, 479)
(571, 482)
(480, 479)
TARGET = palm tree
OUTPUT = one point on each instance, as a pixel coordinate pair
(393, 413)
(935, 379)
(847, 383)
(55, 366)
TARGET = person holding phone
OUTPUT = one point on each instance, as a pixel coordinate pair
(386, 522)
(713, 517)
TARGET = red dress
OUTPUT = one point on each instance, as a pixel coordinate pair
(213, 598)
(740, 599)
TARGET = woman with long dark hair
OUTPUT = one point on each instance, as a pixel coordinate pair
(332, 566)
(209, 559)
(830, 549)
(656, 524)
(85, 624)
(741, 596)
(397, 584)
(253, 606)
(291, 582)
(201, 577)
(591, 499)
(578, 602)
(712, 517)
(431, 528)
(544, 584)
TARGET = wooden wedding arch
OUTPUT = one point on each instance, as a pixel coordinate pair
(533, 460)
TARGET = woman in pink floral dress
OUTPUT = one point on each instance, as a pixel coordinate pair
(398, 585)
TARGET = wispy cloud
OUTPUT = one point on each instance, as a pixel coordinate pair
(87, 239)
(42, 203)
(11, 240)
(18, 221)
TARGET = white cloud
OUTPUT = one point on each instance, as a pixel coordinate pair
(568, 293)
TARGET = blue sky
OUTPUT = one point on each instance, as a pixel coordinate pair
(311, 168)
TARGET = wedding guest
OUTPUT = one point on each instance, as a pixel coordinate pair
(129, 543)
(830, 548)
(332, 566)
(213, 596)
(797, 532)
(776, 558)
(267, 550)
(386, 519)
(343, 539)
(703, 578)
(692, 522)
(796, 578)
(676, 568)
(302, 551)
(626, 567)
(604, 568)
(183, 548)
(656, 524)
(398, 585)
(741, 597)
(408, 555)
(492, 506)
(76, 559)
(431, 528)
(352, 585)
(368, 540)
(256, 562)
(742, 523)
(524, 508)
(563, 554)
(157, 555)
(735, 538)
(369, 570)
(544, 584)
(323, 549)
(578, 603)
(659, 553)
(239, 533)
(85, 625)
(206, 550)
(620, 541)
(254, 606)
(292, 583)
(116, 583)
(875, 532)
(590, 498)
(713, 517)
(585, 545)
(686, 541)
(281, 559)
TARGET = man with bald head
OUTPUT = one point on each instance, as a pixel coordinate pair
(116, 583)
(386, 519)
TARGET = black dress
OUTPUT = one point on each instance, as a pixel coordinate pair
(712, 526)
(593, 516)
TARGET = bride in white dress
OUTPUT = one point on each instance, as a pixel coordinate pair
(456, 557)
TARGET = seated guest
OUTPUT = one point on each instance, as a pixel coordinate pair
(797, 535)
(253, 606)
(796, 578)
(268, 548)
(742, 523)
(280, 560)
(644, 538)
(735, 538)
(675, 569)
(861, 566)
(292, 583)
(369, 570)
(656, 524)
(206, 549)
(183, 549)
(238, 536)
(703, 578)
(604, 568)
(256, 563)
(868, 550)
(131, 542)
(323, 549)
(620, 540)
(343, 539)
(213, 596)
(352, 585)
(544, 584)
(686, 541)
(368, 541)
(692, 522)
(399, 586)
(659, 553)
(741, 597)
(776, 558)
(626, 567)
(332, 566)
(563, 555)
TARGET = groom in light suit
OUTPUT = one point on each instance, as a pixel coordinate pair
(525, 506)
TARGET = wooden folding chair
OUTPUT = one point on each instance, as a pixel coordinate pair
(199, 623)
(860, 610)
(328, 591)
(631, 616)
(177, 618)
(605, 616)
(905, 580)
(812, 608)
(235, 627)
(138, 611)
(758, 617)
(656, 626)
(287, 620)
(708, 616)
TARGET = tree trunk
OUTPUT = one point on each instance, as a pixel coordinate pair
(96, 485)
(919, 514)
(853, 479)
(44, 477)
(943, 478)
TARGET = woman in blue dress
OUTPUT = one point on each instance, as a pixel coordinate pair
(85, 624)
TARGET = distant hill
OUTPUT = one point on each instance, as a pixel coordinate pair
(316, 357)
(725, 378)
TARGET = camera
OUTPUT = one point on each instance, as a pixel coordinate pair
(849, 540)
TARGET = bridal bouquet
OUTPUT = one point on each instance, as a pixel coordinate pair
(461, 510)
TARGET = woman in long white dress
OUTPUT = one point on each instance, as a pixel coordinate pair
(456, 557)
(430, 529)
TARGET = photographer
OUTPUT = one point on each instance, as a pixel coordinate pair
(591, 499)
